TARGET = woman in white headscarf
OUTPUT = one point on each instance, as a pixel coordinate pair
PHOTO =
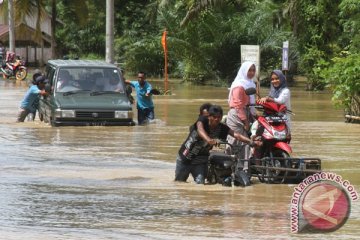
(238, 118)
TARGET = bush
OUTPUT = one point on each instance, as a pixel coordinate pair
(344, 79)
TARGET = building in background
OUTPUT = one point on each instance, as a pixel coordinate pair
(34, 52)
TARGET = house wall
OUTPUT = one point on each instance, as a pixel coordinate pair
(28, 54)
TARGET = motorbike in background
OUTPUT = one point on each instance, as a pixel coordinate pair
(15, 69)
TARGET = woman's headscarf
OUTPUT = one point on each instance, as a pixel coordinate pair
(243, 80)
(275, 91)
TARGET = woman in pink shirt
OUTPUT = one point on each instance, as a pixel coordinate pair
(239, 117)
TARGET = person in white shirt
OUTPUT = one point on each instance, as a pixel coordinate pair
(113, 84)
(279, 92)
(64, 79)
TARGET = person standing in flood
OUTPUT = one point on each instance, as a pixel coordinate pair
(239, 116)
(31, 116)
(193, 154)
(31, 99)
(144, 103)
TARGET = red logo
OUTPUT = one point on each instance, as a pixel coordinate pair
(325, 206)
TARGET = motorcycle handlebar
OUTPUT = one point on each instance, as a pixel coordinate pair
(259, 106)
(220, 142)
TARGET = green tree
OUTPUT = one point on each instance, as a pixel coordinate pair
(208, 45)
(343, 72)
(343, 77)
(316, 26)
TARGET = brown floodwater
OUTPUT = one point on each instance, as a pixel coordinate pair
(117, 182)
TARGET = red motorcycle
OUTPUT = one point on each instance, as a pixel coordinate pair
(271, 162)
(14, 68)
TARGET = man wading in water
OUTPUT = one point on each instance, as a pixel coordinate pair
(194, 152)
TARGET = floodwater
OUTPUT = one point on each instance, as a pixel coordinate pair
(117, 182)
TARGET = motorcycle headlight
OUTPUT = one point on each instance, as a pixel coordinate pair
(123, 114)
(279, 135)
(64, 113)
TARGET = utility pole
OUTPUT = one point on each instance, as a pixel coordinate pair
(53, 26)
(109, 52)
(11, 26)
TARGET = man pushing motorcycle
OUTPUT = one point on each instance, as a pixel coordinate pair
(193, 154)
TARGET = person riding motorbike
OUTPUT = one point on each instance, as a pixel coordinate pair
(279, 92)
(238, 117)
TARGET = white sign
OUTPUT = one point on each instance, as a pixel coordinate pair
(251, 53)
(285, 56)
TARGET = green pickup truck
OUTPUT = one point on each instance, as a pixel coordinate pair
(85, 93)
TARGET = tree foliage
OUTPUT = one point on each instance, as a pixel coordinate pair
(343, 72)
(343, 77)
(316, 26)
(204, 36)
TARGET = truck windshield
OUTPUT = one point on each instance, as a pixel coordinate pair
(89, 79)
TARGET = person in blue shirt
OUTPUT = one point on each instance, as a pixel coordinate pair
(37, 73)
(31, 99)
(144, 103)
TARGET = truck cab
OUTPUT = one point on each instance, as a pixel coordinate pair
(84, 93)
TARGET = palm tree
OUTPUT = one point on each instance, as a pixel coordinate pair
(37, 8)
(7, 10)
(196, 7)
(34, 8)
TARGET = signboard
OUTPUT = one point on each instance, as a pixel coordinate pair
(285, 56)
(251, 53)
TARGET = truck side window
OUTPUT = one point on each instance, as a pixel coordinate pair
(50, 72)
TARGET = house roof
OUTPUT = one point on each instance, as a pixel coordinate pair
(23, 33)
(25, 29)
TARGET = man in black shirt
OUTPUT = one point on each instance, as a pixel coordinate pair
(194, 152)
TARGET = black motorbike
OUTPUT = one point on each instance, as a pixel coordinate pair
(224, 168)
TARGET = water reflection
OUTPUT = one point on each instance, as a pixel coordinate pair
(116, 182)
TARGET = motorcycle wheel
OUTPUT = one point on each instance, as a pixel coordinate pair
(21, 74)
(242, 179)
(211, 177)
(277, 176)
